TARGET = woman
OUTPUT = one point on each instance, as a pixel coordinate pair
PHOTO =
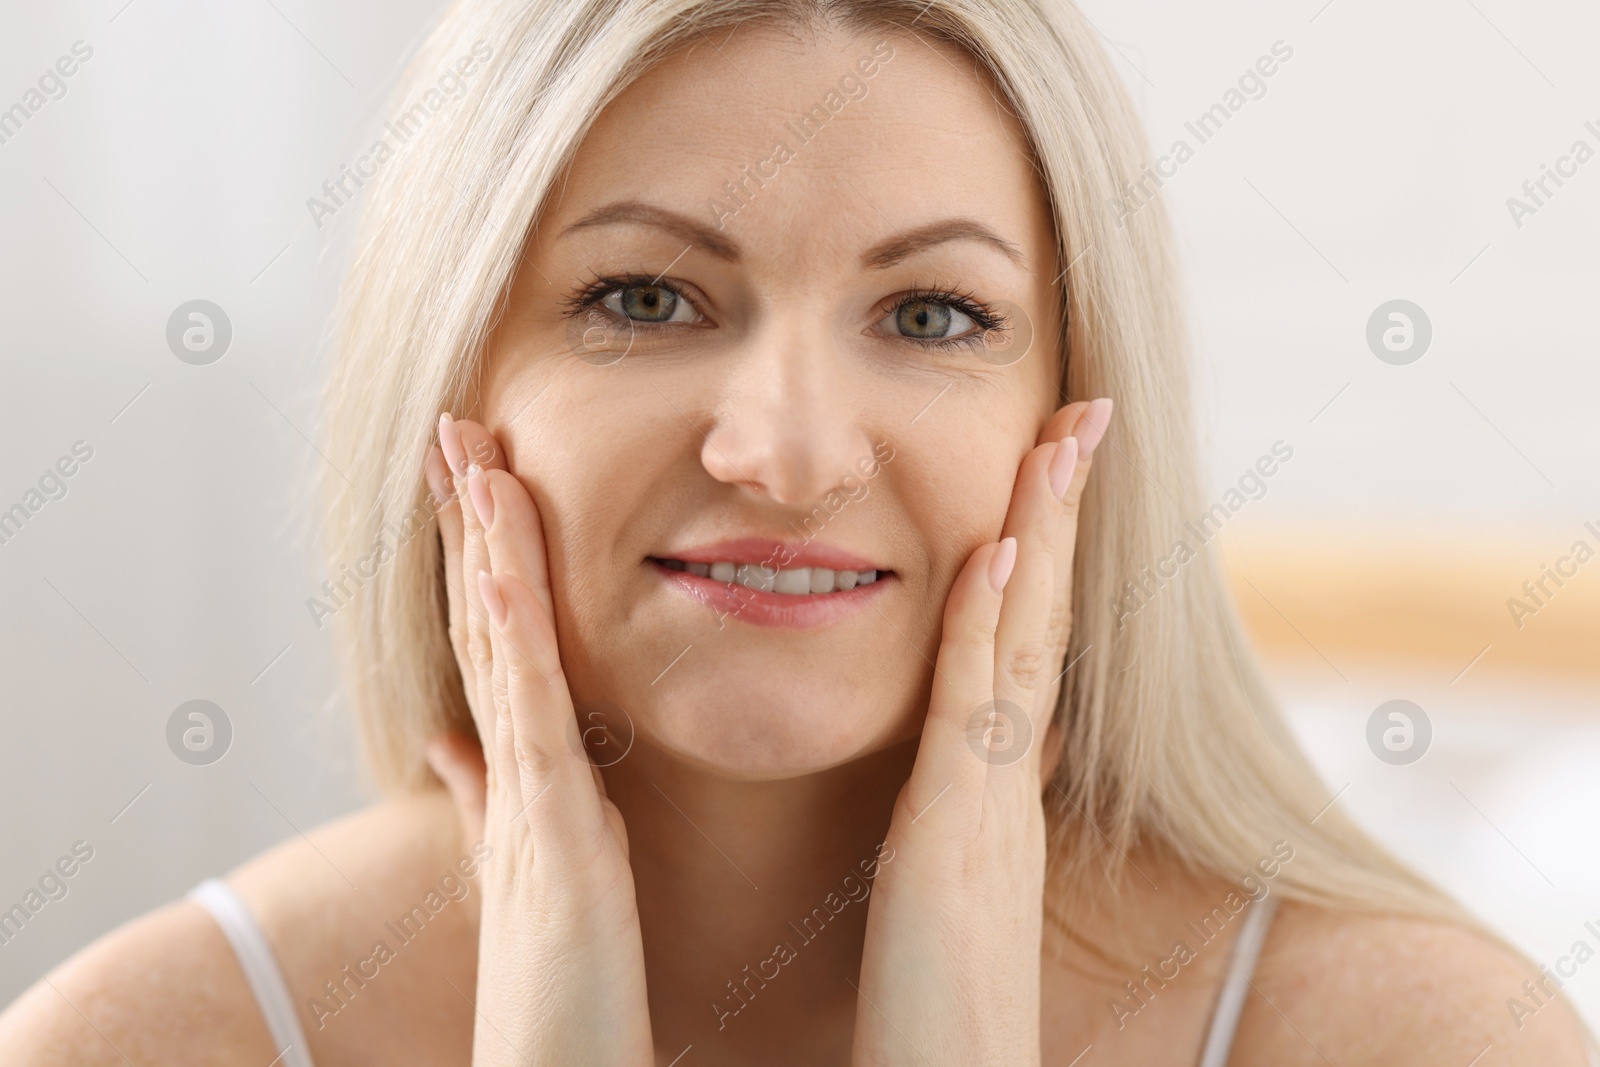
(772, 574)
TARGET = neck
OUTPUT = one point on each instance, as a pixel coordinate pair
(753, 899)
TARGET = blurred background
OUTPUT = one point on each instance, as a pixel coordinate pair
(160, 460)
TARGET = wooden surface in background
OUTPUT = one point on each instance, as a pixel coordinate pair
(1422, 599)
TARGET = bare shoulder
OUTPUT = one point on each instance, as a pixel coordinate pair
(1362, 989)
(154, 990)
(167, 987)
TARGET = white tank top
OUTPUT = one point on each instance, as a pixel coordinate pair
(277, 1008)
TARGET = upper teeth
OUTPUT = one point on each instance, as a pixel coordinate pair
(797, 581)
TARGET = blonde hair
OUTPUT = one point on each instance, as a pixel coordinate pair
(1171, 741)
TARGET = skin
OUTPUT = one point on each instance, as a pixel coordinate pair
(617, 904)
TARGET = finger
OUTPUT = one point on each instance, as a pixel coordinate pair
(1062, 423)
(481, 453)
(946, 783)
(1022, 656)
(464, 444)
(560, 800)
(1086, 421)
(515, 539)
(1089, 428)
(516, 536)
(459, 763)
(442, 484)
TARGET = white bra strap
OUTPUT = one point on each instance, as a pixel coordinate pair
(260, 969)
(1230, 1002)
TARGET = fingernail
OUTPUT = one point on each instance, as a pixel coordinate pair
(455, 455)
(1001, 566)
(1092, 426)
(482, 499)
(491, 598)
(1062, 466)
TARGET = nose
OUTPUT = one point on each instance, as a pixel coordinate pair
(789, 422)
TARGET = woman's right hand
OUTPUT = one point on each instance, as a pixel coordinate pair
(560, 957)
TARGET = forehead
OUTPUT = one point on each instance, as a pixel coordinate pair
(803, 142)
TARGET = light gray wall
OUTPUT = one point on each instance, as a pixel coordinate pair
(177, 166)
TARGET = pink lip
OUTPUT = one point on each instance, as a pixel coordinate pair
(785, 611)
(767, 552)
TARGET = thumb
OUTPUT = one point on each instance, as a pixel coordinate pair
(458, 761)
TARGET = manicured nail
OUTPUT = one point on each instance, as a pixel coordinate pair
(455, 454)
(1092, 426)
(482, 499)
(491, 598)
(1062, 466)
(1001, 566)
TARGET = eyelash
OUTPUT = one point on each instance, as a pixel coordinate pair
(967, 304)
(602, 287)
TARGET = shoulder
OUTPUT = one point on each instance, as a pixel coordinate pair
(140, 993)
(167, 987)
(1368, 989)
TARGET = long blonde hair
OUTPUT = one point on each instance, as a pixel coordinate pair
(1172, 742)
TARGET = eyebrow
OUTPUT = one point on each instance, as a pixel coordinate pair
(638, 213)
(886, 254)
(880, 256)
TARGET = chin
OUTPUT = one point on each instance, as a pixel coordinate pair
(771, 730)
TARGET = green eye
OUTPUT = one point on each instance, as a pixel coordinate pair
(924, 319)
(649, 303)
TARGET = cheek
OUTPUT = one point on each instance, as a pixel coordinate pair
(960, 489)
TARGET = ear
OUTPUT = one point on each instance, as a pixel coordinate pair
(458, 761)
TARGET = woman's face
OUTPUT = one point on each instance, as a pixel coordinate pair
(750, 329)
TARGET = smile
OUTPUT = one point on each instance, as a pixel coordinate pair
(790, 581)
(815, 584)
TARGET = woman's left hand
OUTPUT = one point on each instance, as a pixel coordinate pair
(950, 969)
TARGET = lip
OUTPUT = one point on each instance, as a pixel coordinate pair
(771, 552)
(784, 611)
